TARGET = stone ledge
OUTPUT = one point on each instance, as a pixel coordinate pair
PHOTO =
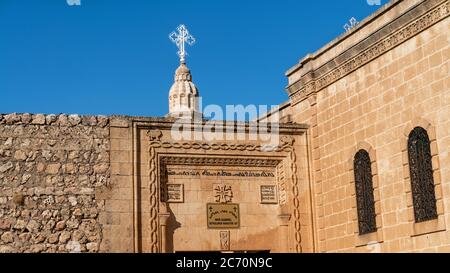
(396, 32)
(433, 226)
(62, 120)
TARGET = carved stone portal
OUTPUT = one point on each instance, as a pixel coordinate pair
(160, 156)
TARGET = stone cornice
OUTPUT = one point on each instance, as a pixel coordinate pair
(344, 36)
(220, 161)
(401, 29)
(63, 120)
(225, 126)
(156, 142)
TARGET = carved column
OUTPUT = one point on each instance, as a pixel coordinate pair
(154, 142)
(288, 141)
(163, 220)
(284, 219)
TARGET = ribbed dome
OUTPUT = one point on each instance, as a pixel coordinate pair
(183, 95)
(183, 87)
(183, 73)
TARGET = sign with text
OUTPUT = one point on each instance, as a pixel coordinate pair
(175, 193)
(221, 173)
(269, 194)
(223, 216)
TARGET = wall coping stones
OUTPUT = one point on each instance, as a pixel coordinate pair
(53, 119)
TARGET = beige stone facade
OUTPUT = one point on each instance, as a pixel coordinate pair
(147, 163)
(127, 184)
(368, 90)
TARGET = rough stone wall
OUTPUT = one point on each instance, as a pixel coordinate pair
(51, 167)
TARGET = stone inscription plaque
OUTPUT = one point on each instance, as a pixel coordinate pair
(221, 173)
(269, 194)
(223, 216)
(175, 193)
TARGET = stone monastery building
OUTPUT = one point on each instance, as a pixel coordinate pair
(361, 161)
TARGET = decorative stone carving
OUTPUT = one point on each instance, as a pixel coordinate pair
(335, 70)
(223, 194)
(287, 140)
(220, 161)
(296, 198)
(286, 145)
(281, 177)
(225, 240)
(268, 194)
(175, 193)
(154, 137)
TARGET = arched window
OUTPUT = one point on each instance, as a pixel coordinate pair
(421, 174)
(175, 101)
(183, 100)
(364, 193)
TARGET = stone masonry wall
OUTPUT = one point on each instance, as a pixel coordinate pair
(375, 105)
(51, 167)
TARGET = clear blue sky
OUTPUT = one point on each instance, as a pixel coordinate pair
(114, 56)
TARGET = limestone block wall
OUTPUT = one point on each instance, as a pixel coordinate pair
(118, 218)
(375, 107)
(51, 167)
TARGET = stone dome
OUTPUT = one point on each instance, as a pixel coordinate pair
(183, 73)
(183, 95)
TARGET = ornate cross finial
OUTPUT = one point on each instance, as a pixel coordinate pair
(351, 24)
(180, 38)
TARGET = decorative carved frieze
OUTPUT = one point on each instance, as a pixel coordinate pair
(340, 66)
(220, 161)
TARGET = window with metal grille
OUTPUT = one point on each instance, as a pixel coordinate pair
(421, 174)
(364, 193)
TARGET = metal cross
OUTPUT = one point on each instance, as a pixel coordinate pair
(180, 38)
(352, 23)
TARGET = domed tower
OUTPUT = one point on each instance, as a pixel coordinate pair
(184, 98)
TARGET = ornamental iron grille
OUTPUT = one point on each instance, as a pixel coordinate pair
(421, 173)
(364, 193)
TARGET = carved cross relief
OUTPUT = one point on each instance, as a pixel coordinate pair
(223, 194)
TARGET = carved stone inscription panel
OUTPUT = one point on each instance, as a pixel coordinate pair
(222, 198)
(269, 194)
(175, 193)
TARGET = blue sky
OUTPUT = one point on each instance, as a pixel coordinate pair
(114, 56)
